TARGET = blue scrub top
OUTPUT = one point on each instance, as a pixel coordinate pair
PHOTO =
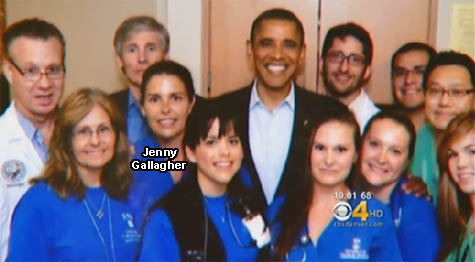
(350, 240)
(160, 244)
(148, 186)
(416, 225)
(48, 228)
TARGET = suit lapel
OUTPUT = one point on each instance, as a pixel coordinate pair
(244, 111)
(285, 179)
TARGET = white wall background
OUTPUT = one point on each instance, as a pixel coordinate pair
(444, 22)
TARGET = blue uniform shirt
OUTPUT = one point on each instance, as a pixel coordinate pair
(137, 128)
(48, 228)
(416, 225)
(351, 240)
(160, 244)
(148, 186)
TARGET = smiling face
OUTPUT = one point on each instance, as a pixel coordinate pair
(343, 79)
(218, 159)
(407, 78)
(166, 107)
(333, 153)
(461, 162)
(93, 142)
(441, 109)
(384, 154)
(35, 98)
(276, 51)
(139, 51)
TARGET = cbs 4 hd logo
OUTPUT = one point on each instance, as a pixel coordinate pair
(343, 211)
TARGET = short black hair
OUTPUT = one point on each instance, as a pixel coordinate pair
(277, 14)
(450, 58)
(32, 28)
(168, 67)
(412, 46)
(202, 117)
(349, 29)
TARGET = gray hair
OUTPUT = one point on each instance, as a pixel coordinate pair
(140, 23)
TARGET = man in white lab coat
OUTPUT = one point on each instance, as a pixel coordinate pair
(34, 52)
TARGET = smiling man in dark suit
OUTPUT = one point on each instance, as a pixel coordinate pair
(273, 107)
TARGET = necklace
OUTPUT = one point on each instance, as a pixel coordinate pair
(226, 214)
(232, 226)
(220, 215)
(99, 233)
(100, 210)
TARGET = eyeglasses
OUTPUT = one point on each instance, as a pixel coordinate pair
(402, 72)
(339, 57)
(34, 73)
(453, 93)
(85, 133)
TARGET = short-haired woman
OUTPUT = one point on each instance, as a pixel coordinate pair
(211, 214)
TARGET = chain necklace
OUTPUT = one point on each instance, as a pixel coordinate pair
(227, 214)
(100, 210)
(221, 215)
(99, 233)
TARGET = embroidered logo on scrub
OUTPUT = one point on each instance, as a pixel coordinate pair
(13, 171)
(130, 234)
(355, 252)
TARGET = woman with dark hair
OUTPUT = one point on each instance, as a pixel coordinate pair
(315, 222)
(386, 151)
(168, 96)
(211, 214)
(78, 210)
(456, 205)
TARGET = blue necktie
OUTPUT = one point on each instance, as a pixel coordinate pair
(40, 146)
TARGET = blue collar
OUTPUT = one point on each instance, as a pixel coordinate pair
(256, 100)
(131, 101)
(26, 125)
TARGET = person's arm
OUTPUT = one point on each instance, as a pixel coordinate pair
(417, 186)
(4, 226)
(29, 239)
(159, 242)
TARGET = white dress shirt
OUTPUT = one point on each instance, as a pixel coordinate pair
(363, 108)
(270, 133)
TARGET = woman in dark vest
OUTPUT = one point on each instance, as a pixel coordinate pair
(210, 215)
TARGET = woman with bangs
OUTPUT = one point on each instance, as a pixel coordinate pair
(456, 205)
(314, 222)
(78, 209)
(211, 214)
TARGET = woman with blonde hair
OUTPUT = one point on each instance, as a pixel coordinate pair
(78, 209)
(456, 205)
